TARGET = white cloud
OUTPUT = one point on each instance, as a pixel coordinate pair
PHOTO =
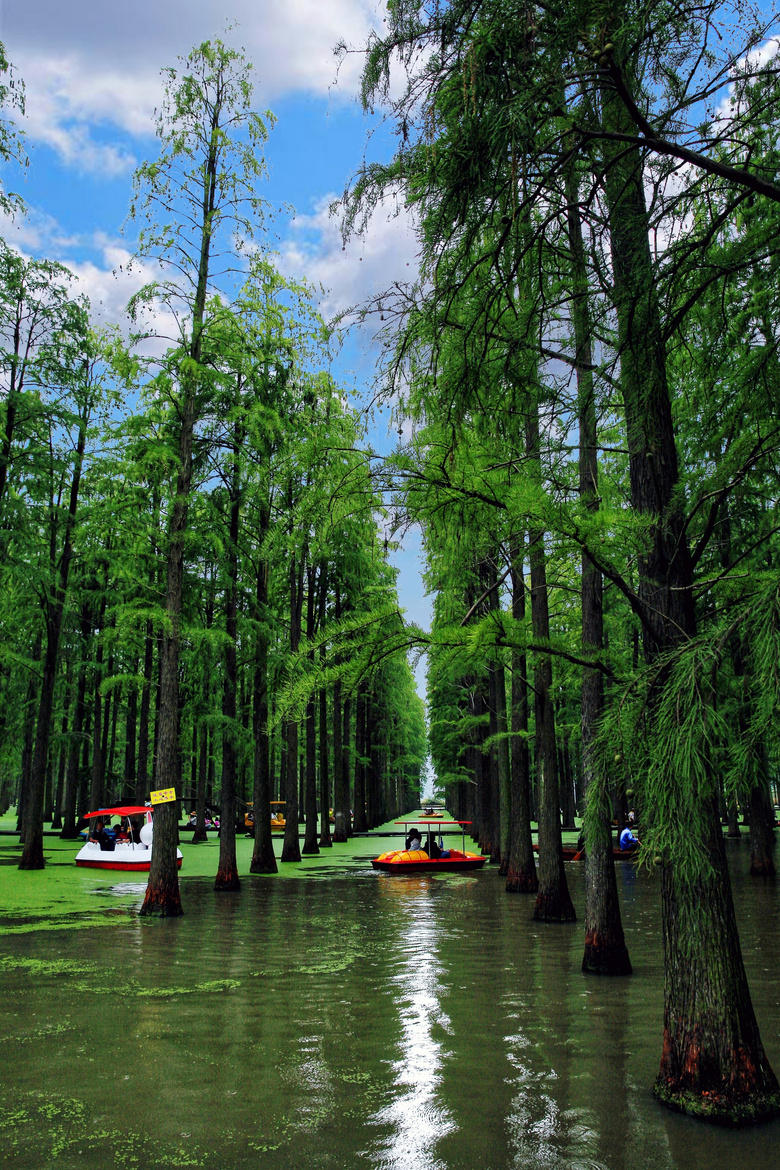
(90, 65)
(354, 274)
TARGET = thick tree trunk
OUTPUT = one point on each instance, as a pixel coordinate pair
(521, 873)
(713, 1062)
(163, 897)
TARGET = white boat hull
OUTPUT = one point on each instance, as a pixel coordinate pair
(125, 855)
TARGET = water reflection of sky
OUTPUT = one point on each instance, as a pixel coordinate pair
(416, 1117)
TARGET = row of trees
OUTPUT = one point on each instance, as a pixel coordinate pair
(590, 365)
(183, 519)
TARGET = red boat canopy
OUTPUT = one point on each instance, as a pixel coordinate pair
(124, 810)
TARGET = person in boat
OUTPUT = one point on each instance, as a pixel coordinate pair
(121, 830)
(101, 837)
(627, 839)
(413, 841)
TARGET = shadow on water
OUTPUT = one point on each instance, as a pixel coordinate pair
(349, 1018)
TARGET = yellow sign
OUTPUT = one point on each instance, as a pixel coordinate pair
(163, 796)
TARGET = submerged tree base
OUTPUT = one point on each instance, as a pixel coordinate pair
(606, 960)
(554, 906)
(522, 881)
(762, 867)
(227, 880)
(725, 1106)
(162, 901)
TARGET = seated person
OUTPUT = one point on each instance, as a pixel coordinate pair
(413, 841)
(627, 839)
(120, 832)
(102, 838)
(435, 849)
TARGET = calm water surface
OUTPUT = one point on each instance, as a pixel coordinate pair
(357, 1019)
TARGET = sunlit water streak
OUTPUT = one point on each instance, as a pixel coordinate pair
(417, 1116)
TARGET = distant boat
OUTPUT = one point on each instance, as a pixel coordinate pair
(126, 855)
(426, 860)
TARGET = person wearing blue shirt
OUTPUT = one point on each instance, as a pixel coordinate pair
(627, 839)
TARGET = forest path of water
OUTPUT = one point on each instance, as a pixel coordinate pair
(345, 1018)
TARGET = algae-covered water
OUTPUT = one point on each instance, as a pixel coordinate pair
(343, 1019)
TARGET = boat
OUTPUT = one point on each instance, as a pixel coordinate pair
(133, 856)
(422, 860)
(278, 821)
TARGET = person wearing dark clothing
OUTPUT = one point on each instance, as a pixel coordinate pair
(102, 837)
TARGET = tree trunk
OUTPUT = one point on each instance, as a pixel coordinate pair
(553, 902)
(142, 774)
(325, 837)
(263, 857)
(96, 793)
(360, 824)
(227, 872)
(310, 840)
(291, 848)
(131, 733)
(605, 949)
(32, 854)
(521, 873)
(62, 763)
(163, 897)
(491, 769)
(345, 755)
(713, 1062)
(761, 817)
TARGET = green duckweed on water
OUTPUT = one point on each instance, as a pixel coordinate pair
(329, 1016)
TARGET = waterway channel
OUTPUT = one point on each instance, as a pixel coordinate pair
(345, 1019)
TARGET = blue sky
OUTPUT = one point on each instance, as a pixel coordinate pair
(91, 72)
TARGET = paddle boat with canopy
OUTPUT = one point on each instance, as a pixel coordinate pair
(126, 854)
(431, 858)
